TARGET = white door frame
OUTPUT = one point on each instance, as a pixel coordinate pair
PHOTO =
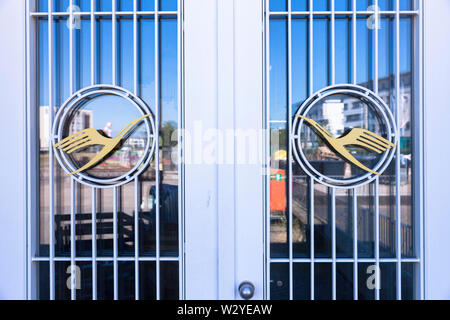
(221, 197)
(223, 89)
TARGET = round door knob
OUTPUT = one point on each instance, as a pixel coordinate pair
(246, 290)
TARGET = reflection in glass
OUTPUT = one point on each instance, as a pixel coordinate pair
(62, 273)
(169, 280)
(302, 281)
(388, 285)
(147, 280)
(105, 280)
(410, 281)
(364, 293)
(85, 290)
(43, 273)
(344, 281)
(322, 281)
(279, 281)
(278, 192)
(126, 280)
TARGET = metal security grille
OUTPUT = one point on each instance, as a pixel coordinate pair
(113, 243)
(325, 242)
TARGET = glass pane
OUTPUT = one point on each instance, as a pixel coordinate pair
(147, 281)
(85, 289)
(168, 138)
(62, 274)
(363, 5)
(279, 281)
(126, 280)
(104, 5)
(168, 5)
(322, 221)
(343, 5)
(104, 50)
(344, 224)
(344, 281)
(169, 280)
(43, 274)
(322, 281)
(124, 5)
(278, 5)
(343, 49)
(320, 53)
(302, 281)
(364, 292)
(366, 220)
(105, 281)
(321, 5)
(146, 5)
(299, 5)
(278, 192)
(408, 219)
(410, 281)
(388, 289)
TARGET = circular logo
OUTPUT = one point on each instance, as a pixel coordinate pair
(104, 136)
(344, 136)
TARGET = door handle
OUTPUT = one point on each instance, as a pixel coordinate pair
(246, 290)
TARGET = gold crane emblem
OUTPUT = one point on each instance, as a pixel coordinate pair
(356, 137)
(89, 137)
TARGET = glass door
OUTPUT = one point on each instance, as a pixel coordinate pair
(109, 70)
(336, 227)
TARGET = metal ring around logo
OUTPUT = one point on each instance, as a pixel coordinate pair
(74, 103)
(365, 95)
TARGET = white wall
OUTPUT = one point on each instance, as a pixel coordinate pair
(437, 149)
(12, 145)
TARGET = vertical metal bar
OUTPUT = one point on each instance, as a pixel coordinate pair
(333, 190)
(311, 240)
(355, 191)
(73, 274)
(354, 22)
(157, 177)
(180, 155)
(376, 183)
(355, 243)
(31, 226)
(311, 184)
(72, 181)
(375, 32)
(333, 240)
(419, 153)
(290, 183)
(94, 193)
(311, 49)
(115, 249)
(51, 113)
(333, 44)
(114, 51)
(136, 237)
(136, 180)
(92, 42)
(397, 158)
(267, 91)
(376, 187)
(115, 190)
(94, 244)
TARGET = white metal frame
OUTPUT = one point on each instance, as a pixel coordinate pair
(417, 197)
(16, 188)
(32, 259)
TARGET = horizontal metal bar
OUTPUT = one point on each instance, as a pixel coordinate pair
(100, 13)
(344, 260)
(43, 259)
(340, 13)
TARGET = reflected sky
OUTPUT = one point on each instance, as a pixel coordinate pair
(322, 59)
